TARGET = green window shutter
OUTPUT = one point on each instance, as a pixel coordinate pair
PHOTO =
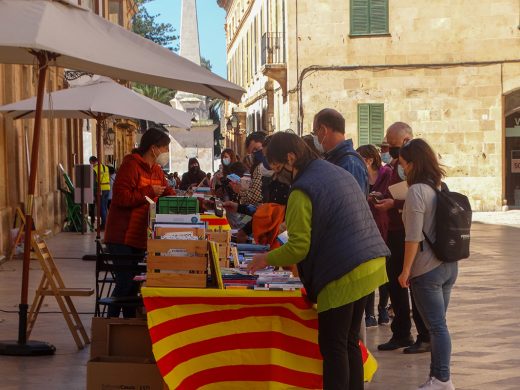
(378, 16)
(377, 123)
(359, 17)
(363, 124)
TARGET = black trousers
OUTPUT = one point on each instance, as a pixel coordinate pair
(400, 297)
(338, 337)
(371, 300)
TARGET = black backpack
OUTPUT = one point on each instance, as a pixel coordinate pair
(452, 226)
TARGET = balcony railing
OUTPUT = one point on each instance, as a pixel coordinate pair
(273, 48)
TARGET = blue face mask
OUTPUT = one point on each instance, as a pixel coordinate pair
(400, 172)
(386, 158)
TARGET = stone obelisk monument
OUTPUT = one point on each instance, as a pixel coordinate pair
(190, 48)
(199, 141)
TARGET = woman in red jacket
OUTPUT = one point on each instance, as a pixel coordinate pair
(139, 175)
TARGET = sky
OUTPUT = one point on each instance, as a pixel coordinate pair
(212, 36)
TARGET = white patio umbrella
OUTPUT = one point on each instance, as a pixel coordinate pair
(105, 98)
(100, 100)
(79, 39)
(47, 33)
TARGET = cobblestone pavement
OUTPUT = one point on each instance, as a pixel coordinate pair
(483, 319)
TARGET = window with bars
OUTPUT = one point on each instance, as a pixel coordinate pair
(368, 17)
(371, 123)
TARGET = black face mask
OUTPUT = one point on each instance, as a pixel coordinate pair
(194, 169)
(394, 151)
(289, 174)
(259, 156)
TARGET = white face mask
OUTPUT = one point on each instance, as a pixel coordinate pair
(317, 144)
(163, 159)
(400, 172)
(265, 172)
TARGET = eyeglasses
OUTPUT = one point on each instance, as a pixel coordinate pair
(316, 130)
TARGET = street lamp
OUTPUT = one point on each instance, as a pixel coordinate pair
(229, 126)
(235, 122)
(235, 125)
(110, 136)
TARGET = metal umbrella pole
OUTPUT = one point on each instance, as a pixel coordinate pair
(22, 347)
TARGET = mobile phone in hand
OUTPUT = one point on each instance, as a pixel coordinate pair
(375, 197)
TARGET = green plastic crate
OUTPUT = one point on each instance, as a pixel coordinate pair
(178, 205)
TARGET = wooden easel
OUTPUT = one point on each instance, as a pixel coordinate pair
(21, 231)
(52, 284)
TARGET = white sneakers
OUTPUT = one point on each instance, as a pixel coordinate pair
(434, 384)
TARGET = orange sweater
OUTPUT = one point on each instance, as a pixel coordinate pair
(128, 215)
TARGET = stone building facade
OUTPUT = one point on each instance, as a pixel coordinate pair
(61, 140)
(449, 69)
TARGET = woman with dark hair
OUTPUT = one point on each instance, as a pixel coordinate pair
(227, 159)
(430, 279)
(139, 175)
(339, 252)
(311, 141)
(379, 176)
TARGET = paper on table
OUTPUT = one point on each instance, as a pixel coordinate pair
(399, 190)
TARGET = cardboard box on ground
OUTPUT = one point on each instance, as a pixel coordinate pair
(121, 356)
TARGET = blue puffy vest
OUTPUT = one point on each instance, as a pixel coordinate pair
(344, 234)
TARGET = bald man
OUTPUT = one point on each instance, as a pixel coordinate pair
(397, 135)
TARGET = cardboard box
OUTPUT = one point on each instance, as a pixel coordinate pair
(128, 337)
(107, 373)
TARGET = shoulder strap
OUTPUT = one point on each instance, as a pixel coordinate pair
(444, 187)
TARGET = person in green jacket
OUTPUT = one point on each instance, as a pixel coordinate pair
(339, 252)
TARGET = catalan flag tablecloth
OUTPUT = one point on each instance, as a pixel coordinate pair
(236, 339)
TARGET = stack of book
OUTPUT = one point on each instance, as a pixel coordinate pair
(264, 280)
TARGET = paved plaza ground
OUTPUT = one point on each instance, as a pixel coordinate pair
(483, 319)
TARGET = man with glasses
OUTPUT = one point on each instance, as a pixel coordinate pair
(397, 135)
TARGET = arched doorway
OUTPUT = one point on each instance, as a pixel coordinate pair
(512, 148)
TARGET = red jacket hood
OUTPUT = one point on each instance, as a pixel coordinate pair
(137, 158)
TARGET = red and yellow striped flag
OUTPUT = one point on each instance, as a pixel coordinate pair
(235, 339)
(215, 223)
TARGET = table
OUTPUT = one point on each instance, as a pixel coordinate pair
(235, 339)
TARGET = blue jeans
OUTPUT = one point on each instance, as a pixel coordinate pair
(104, 206)
(124, 280)
(431, 292)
